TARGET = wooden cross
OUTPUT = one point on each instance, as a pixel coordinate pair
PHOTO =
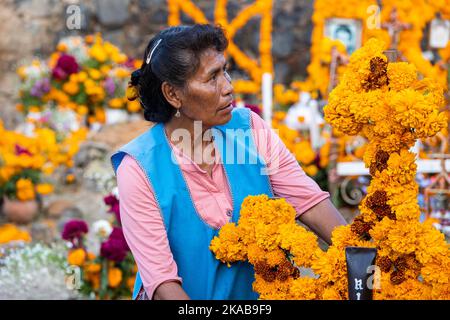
(337, 59)
(394, 26)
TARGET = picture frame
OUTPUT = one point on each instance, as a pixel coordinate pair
(439, 33)
(348, 31)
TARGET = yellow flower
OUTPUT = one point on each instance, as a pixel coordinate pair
(25, 190)
(311, 170)
(116, 103)
(114, 277)
(100, 115)
(93, 268)
(304, 153)
(71, 88)
(133, 106)
(76, 257)
(130, 283)
(82, 110)
(70, 178)
(401, 75)
(132, 93)
(82, 76)
(122, 73)
(22, 72)
(95, 74)
(61, 47)
(90, 256)
(104, 69)
(98, 53)
(44, 188)
(10, 232)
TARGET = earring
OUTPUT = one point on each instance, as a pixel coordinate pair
(178, 114)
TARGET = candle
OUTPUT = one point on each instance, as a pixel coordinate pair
(267, 98)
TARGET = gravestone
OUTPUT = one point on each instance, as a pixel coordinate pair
(112, 13)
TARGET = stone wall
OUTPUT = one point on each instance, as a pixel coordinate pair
(33, 27)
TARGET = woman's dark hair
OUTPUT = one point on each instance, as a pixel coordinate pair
(175, 59)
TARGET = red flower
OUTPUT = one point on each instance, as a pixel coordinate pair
(19, 151)
(65, 66)
(113, 202)
(113, 250)
(116, 247)
(117, 234)
(74, 229)
(256, 109)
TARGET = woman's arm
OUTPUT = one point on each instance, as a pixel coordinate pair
(171, 290)
(322, 219)
(289, 181)
(145, 233)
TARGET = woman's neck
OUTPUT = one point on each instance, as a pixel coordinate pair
(190, 136)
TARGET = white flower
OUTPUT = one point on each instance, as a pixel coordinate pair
(436, 215)
(115, 192)
(35, 272)
(446, 230)
(102, 228)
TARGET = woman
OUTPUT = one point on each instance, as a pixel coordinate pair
(175, 195)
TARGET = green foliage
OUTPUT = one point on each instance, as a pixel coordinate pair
(9, 189)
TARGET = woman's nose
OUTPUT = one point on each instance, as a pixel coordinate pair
(228, 87)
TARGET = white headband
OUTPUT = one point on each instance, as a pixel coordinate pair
(149, 57)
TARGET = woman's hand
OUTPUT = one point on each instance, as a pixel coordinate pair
(322, 219)
(171, 290)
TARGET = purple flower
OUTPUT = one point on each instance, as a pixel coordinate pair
(110, 200)
(113, 202)
(109, 86)
(65, 66)
(116, 247)
(19, 151)
(41, 87)
(254, 108)
(117, 234)
(112, 250)
(74, 229)
(130, 63)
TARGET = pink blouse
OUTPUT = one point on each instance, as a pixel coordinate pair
(142, 222)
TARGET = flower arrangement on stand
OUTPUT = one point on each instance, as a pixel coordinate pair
(109, 274)
(22, 161)
(29, 156)
(391, 107)
(86, 75)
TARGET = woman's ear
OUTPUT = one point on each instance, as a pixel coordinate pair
(172, 95)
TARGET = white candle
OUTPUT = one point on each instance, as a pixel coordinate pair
(314, 130)
(267, 98)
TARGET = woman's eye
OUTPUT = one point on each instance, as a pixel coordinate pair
(227, 75)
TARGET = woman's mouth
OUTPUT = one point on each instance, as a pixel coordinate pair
(227, 108)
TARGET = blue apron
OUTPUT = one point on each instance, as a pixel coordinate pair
(204, 277)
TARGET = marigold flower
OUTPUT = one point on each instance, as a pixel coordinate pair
(114, 277)
(44, 188)
(76, 257)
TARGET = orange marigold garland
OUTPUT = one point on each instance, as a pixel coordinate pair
(375, 98)
(413, 257)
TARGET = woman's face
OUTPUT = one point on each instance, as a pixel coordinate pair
(209, 92)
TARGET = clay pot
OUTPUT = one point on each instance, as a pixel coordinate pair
(20, 212)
